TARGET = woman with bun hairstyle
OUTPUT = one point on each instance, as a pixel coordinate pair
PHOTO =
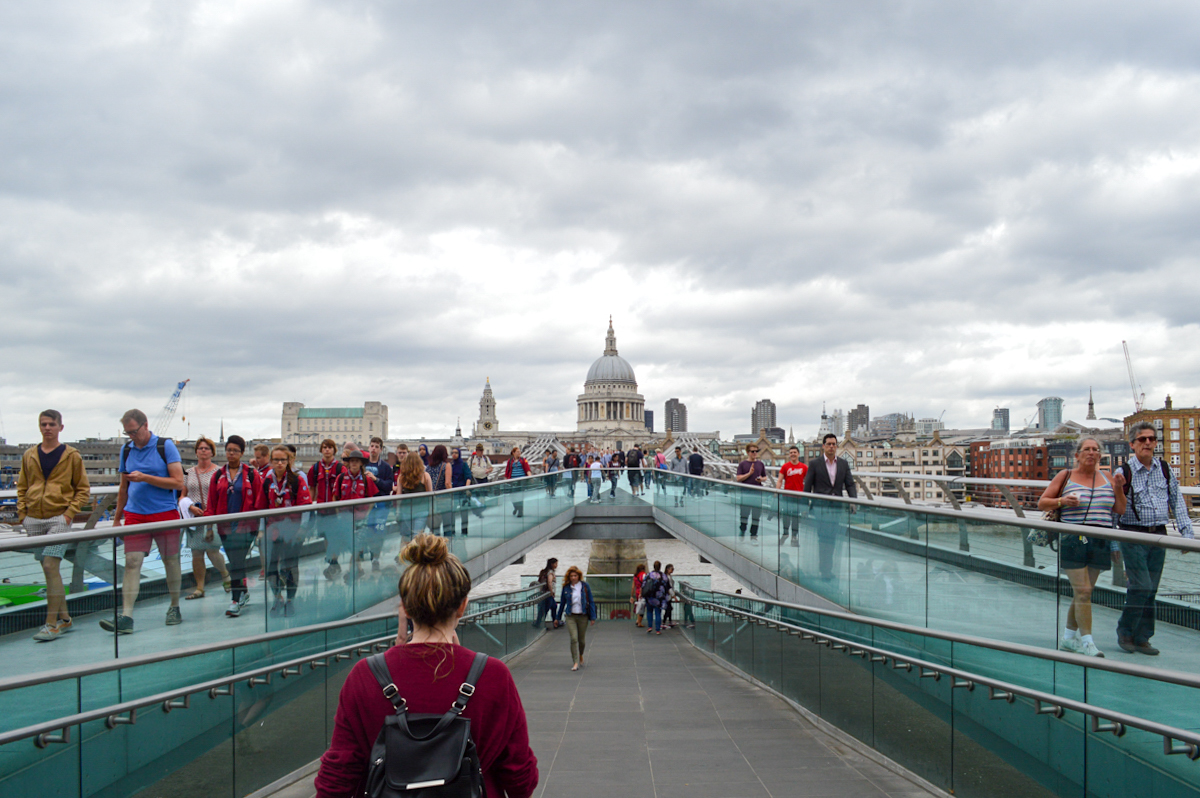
(283, 487)
(427, 672)
(577, 603)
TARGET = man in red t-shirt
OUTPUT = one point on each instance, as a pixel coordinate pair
(791, 477)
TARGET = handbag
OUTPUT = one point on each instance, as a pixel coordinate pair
(1040, 537)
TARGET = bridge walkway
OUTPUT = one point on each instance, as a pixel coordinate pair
(651, 716)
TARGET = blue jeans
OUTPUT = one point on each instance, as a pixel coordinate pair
(547, 607)
(1143, 569)
(654, 618)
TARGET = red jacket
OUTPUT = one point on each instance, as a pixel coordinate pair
(508, 468)
(348, 487)
(321, 483)
(497, 719)
(218, 497)
(271, 496)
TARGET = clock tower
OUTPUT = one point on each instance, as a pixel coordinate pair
(487, 425)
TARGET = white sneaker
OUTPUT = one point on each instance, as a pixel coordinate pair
(1069, 645)
(46, 633)
(235, 609)
(1089, 649)
(244, 600)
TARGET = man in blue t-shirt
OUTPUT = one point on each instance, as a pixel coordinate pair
(151, 478)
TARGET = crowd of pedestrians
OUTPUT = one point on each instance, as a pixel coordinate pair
(154, 489)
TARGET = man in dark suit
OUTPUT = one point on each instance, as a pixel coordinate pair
(829, 475)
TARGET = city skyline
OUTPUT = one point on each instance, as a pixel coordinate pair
(326, 203)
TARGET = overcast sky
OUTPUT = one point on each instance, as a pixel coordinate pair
(923, 207)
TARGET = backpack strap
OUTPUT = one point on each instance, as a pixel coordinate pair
(467, 688)
(125, 454)
(379, 669)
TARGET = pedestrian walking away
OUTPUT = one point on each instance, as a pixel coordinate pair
(1152, 492)
(426, 674)
(616, 465)
(654, 592)
(635, 598)
(460, 477)
(668, 612)
(202, 540)
(678, 466)
(439, 477)
(548, 582)
(577, 603)
(234, 489)
(550, 467)
(1084, 495)
(151, 479)
(380, 472)
(413, 514)
(633, 466)
(595, 471)
(695, 469)
(51, 488)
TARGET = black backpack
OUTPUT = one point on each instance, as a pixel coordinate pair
(650, 587)
(425, 755)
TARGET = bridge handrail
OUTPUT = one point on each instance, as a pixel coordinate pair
(1171, 677)
(168, 700)
(103, 533)
(1162, 541)
(1044, 703)
(104, 666)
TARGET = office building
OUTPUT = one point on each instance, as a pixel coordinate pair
(675, 416)
(1000, 419)
(762, 416)
(858, 419)
(1049, 413)
(649, 416)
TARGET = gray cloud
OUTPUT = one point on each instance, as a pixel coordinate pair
(914, 205)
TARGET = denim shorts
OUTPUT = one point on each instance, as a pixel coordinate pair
(1075, 553)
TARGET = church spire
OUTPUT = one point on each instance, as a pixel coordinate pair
(610, 342)
(1091, 416)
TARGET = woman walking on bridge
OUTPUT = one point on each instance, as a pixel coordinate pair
(234, 489)
(576, 601)
(426, 674)
(1089, 497)
(203, 540)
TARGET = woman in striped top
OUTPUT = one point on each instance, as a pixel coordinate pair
(1088, 497)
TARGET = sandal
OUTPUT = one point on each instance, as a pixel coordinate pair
(227, 583)
(198, 593)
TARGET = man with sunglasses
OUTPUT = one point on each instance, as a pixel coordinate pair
(1153, 493)
(750, 471)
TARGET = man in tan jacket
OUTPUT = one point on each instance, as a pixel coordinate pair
(51, 488)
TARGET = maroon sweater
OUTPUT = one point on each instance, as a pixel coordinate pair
(497, 719)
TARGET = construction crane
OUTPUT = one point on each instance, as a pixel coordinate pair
(1139, 397)
(163, 422)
